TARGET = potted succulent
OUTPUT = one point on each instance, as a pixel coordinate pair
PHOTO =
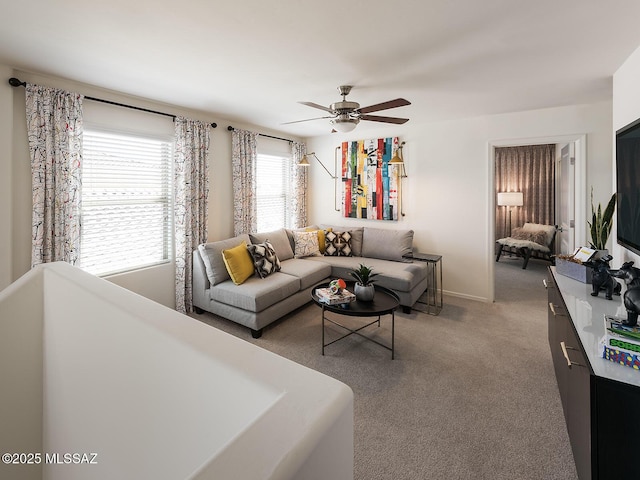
(363, 289)
(600, 224)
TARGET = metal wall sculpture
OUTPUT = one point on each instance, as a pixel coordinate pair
(370, 184)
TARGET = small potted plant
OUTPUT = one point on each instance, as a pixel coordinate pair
(363, 289)
(600, 224)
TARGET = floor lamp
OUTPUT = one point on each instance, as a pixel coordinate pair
(509, 200)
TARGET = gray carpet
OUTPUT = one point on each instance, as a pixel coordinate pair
(470, 395)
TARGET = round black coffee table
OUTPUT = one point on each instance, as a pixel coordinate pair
(384, 302)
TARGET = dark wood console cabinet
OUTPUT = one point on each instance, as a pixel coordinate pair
(600, 399)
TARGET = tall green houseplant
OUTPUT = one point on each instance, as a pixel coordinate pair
(601, 222)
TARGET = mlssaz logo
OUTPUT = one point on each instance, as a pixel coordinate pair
(71, 458)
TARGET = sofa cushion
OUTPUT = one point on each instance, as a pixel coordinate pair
(309, 273)
(211, 254)
(356, 237)
(337, 244)
(278, 239)
(387, 244)
(306, 244)
(398, 276)
(265, 259)
(238, 262)
(256, 294)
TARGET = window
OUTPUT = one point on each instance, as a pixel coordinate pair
(274, 192)
(126, 204)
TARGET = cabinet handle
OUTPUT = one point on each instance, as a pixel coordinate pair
(544, 282)
(566, 355)
(552, 307)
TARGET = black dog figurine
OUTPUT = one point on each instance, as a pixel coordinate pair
(601, 279)
(631, 276)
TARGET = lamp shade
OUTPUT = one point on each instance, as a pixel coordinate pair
(304, 162)
(510, 199)
(396, 160)
(397, 157)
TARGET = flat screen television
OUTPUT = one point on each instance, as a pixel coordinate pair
(628, 186)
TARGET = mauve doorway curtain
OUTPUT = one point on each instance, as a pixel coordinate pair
(529, 169)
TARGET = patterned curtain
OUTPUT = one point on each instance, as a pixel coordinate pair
(530, 170)
(243, 159)
(54, 127)
(190, 201)
(299, 177)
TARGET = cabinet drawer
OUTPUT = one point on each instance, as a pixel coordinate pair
(579, 402)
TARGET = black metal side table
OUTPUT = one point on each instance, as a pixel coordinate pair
(433, 301)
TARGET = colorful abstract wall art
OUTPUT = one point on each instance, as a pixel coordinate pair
(370, 184)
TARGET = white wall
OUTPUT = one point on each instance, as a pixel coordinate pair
(448, 195)
(6, 132)
(156, 283)
(626, 109)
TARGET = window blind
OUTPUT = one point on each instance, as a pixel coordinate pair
(273, 191)
(126, 207)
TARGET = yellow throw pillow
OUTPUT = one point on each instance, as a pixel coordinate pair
(239, 263)
(320, 232)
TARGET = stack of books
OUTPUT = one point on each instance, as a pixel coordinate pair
(325, 296)
(621, 343)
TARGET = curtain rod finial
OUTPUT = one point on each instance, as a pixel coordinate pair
(14, 82)
(230, 128)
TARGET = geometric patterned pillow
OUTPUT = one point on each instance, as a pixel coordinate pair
(264, 258)
(338, 244)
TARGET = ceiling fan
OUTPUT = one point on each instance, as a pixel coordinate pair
(346, 115)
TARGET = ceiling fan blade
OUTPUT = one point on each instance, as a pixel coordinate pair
(377, 118)
(398, 102)
(306, 120)
(315, 105)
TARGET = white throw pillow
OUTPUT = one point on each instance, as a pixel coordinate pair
(306, 244)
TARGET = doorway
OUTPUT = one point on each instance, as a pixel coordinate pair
(573, 180)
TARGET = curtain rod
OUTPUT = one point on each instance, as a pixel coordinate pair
(14, 82)
(231, 129)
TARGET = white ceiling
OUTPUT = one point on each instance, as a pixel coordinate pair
(253, 60)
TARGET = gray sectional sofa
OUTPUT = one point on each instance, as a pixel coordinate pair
(257, 302)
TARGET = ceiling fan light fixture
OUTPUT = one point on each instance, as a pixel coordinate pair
(345, 125)
(347, 114)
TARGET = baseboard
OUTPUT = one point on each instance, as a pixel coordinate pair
(465, 296)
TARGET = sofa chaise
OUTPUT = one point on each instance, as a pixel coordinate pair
(299, 260)
(531, 240)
